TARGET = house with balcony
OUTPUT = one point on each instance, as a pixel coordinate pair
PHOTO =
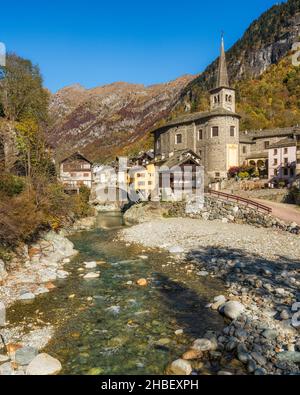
(75, 171)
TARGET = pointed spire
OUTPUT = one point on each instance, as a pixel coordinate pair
(222, 80)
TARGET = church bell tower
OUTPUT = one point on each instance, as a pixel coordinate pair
(222, 96)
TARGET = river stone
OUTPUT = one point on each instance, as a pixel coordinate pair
(43, 365)
(91, 275)
(3, 272)
(224, 373)
(2, 314)
(289, 356)
(90, 265)
(218, 302)
(191, 355)
(202, 345)
(176, 250)
(243, 357)
(251, 366)
(41, 290)
(260, 359)
(180, 367)
(6, 369)
(270, 334)
(4, 358)
(25, 355)
(62, 274)
(233, 309)
(285, 315)
(28, 296)
(47, 275)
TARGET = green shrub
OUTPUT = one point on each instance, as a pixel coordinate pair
(243, 175)
(11, 185)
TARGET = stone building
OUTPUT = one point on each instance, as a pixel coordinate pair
(213, 135)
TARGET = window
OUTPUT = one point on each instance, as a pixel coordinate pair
(230, 98)
(285, 172)
(275, 172)
(217, 175)
(275, 162)
(298, 161)
(267, 144)
(232, 131)
(285, 151)
(215, 131)
(200, 134)
(86, 175)
(178, 138)
(286, 161)
(200, 152)
(275, 151)
(141, 184)
(244, 149)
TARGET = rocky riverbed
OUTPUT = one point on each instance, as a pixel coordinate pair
(262, 275)
(31, 274)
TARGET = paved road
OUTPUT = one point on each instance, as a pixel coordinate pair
(286, 212)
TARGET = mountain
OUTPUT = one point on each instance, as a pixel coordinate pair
(102, 122)
(267, 40)
(115, 119)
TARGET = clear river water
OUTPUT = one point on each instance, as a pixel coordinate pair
(111, 325)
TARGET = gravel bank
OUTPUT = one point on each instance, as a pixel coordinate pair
(261, 270)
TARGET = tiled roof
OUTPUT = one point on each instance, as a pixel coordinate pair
(258, 155)
(196, 116)
(179, 158)
(279, 132)
(288, 142)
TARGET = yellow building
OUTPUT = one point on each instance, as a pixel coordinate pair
(143, 178)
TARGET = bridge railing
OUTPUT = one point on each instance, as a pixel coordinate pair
(239, 199)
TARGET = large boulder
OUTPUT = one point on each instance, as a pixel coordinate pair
(43, 365)
(145, 212)
(57, 247)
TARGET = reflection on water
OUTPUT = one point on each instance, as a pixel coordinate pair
(113, 326)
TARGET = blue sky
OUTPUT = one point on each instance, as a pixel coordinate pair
(99, 42)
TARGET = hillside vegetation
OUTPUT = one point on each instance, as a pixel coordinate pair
(31, 198)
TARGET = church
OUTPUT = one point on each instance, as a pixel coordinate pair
(213, 136)
(215, 139)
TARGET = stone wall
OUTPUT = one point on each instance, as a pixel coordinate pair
(230, 212)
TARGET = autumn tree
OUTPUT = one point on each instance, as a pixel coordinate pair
(21, 90)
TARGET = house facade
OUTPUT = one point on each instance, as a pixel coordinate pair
(282, 161)
(75, 172)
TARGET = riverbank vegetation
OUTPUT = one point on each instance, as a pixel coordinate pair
(31, 198)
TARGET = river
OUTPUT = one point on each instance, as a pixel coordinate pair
(111, 325)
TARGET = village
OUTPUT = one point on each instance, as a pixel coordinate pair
(181, 259)
(232, 160)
